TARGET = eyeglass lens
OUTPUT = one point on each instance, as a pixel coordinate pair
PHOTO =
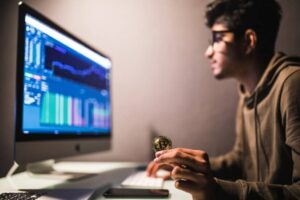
(217, 37)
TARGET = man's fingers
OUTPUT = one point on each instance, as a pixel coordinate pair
(183, 174)
(159, 153)
(176, 156)
(150, 168)
(179, 173)
(166, 177)
(153, 167)
(193, 152)
(186, 186)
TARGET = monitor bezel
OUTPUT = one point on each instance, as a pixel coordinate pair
(41, 136)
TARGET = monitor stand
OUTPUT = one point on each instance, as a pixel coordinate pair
(45, 169)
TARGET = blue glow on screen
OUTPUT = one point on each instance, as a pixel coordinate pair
(66, 84)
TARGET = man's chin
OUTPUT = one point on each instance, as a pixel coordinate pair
(221, 73)
(218, 76)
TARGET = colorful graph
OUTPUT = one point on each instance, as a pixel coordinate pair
(58, 109)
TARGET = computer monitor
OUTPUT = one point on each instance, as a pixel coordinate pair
(63, 103)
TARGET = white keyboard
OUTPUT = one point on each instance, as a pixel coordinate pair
(140, 179)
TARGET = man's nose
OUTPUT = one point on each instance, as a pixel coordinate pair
(209, 51)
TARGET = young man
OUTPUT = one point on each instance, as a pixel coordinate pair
(265, 160)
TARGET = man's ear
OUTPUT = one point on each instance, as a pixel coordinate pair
(250, 41)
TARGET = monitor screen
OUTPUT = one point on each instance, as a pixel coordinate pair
(63, 87)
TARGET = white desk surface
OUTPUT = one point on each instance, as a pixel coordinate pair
(105, 175)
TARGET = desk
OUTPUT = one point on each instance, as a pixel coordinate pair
(106, 174)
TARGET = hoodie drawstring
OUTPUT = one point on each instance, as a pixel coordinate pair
(258, 139)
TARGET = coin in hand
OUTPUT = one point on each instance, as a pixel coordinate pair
(161, 143)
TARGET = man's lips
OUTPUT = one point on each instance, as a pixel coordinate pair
(212, 63)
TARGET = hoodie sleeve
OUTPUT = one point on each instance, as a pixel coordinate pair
(229, 166)
(290, 113)
(290, 110)
(243, 190)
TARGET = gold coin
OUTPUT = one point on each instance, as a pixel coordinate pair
(161, 143)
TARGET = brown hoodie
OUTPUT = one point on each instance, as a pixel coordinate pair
(265, 160)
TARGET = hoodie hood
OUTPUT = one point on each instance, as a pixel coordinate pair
(278, 62)
(266, 150)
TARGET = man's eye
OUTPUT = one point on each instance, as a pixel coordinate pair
(218, 37)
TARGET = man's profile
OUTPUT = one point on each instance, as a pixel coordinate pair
(264, 162)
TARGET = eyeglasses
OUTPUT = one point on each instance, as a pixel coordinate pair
(217, 38)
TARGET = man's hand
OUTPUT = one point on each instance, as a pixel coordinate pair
(153, 167)
(191, 171)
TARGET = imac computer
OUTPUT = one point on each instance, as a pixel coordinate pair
(63, 103)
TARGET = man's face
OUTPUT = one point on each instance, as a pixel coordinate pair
(224, 52)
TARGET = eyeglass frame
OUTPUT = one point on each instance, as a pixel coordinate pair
(214, 36)
(216, 40)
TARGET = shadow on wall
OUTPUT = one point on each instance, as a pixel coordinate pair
(8, 35)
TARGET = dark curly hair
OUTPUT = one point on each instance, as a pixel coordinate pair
(263, 16)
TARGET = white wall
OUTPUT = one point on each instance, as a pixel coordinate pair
(161, 81)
